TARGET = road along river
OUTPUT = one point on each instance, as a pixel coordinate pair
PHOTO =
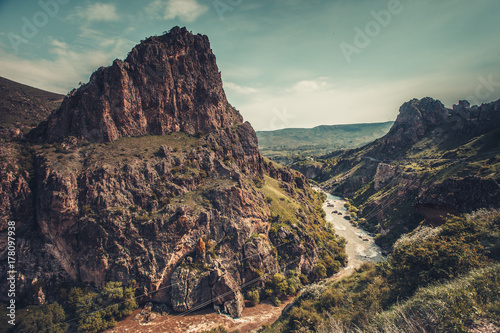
(360, 248)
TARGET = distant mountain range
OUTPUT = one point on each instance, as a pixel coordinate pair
(286, 144)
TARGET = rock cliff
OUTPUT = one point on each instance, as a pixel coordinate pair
(147, 173)
(169, 83)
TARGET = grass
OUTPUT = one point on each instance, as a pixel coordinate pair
(281, 203)
(446, 307)
(435, 281)
(115, 153)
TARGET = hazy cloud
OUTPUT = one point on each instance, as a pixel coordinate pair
(308, 86)
(239, 89)
(100, 12)
(60, 74)
(185, 10)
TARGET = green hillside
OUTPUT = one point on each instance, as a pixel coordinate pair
(288, 144)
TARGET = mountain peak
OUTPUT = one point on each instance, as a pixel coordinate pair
(169, 83)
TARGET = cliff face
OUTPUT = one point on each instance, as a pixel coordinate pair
(416, 118)
(147, 173)
(457, 196)
(169, 83)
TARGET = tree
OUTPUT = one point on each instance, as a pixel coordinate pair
(254, 297)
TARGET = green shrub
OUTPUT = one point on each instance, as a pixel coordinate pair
(43, 319)
(100, 311)
(433, 259)
(254, 297)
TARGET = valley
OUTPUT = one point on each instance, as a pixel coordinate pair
(144, 202)
(288, 145)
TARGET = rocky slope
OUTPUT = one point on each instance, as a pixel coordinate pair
(147, 173)
(433, 161)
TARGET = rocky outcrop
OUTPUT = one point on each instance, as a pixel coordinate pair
(385, 173)
(416, 119)
(455, 196)
(168, 83)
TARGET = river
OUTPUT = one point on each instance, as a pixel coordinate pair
(360, 248)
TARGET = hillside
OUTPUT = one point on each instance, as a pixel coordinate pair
(23, 107)
(437, 280)
(146, 185)
(434, 161)
(286, 145)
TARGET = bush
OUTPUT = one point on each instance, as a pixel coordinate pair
(447, 307)
(254, 297)
(99, 311)
(432, 260)
(42, 319)
(304, 317)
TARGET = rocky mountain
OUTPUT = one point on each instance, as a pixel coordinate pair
(148, 174)
(288, 145)
(167, 84)
(433, 161)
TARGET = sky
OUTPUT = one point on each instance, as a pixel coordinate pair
(284, 63)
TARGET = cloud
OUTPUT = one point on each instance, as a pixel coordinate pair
(68, 67)
(185, 10)
(308, 86)
(100, 12)
(154, 8)
(310, 103)
(243, 90)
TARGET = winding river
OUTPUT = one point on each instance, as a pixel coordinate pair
(361, 247)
